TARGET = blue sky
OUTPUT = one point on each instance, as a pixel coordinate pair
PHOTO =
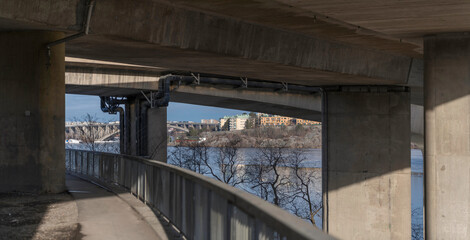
(76, 106)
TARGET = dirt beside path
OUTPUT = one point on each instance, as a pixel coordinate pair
(33, 216)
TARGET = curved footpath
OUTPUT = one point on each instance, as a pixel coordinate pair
(105, 215)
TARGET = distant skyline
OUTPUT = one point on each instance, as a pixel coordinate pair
(77, 106)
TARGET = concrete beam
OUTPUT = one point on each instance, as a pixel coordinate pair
(101, 78)
(302, 105)
(160, 34)
(117, 80)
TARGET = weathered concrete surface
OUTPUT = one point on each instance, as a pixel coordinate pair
(122, 82)
(132, 112)
(158, 33)
(293, 104)
(157, 134)
(32, 113)
(147, 130)
(394, 27)
(315, 18)
(447, 151)
(107, 78)
(103, 215)
(367, 176)
(417, 126)
(92, 77)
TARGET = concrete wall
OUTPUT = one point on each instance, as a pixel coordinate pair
(32, 113)
(447, 139)
(366, 166)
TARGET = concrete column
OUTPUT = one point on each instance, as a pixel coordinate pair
(148, 132)
(134, 127)
(157, 134)
(366, 163)
(32, 112)
(447, 136)
(126, 130)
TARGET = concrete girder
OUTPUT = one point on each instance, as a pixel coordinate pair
(122, 82)
(160, 34)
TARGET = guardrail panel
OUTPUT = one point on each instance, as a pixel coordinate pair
(218, 217)
(242, 226)
(201, 213)
(90, 164)
(188, 208)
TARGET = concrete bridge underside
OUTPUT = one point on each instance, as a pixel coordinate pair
(103, 79)
(423, 45)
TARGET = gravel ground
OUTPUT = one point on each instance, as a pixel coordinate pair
(32, 216)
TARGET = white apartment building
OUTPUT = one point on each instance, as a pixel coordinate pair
(235, 122)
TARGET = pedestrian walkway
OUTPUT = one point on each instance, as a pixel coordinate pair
(103, 215)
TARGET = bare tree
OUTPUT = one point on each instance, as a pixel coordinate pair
(221, 163)
(192, 156)
(226, 165)
(417, 228)
(306, 200)
(89, 133)
(177, 156)
(265, 172)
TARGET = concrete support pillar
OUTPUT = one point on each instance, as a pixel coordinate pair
(157, 135)
(447, 136)
(134, 116)
(366, 163)
(126, 131)
(147, 130)
(32, 112)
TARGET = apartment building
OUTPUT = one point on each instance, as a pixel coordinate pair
(299, 121)
(209, 121)
(275, 121)
(237, 122)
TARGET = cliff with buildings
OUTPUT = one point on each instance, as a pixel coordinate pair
(298, 136)
(254, 130)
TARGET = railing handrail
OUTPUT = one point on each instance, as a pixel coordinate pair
(273, 216)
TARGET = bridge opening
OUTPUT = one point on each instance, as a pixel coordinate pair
(198, 136)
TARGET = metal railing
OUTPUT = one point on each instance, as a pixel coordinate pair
(199, 206)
